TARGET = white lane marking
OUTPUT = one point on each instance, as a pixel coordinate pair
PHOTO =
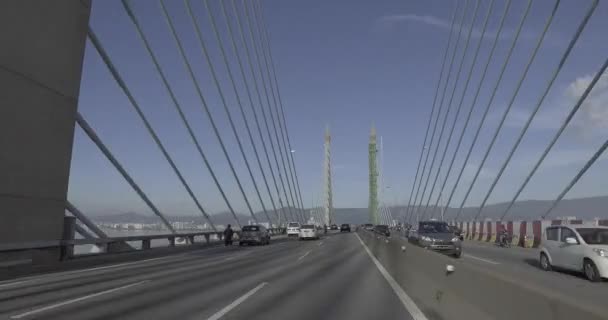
(320, 243)
(237, 256)
(57, 305)
(67, 273)
(10, 284)
(480, 259)
(407, 302)
(304, 255)
(218, 315)
(115, 265)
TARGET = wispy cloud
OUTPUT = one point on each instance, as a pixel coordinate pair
(392, 20)
(591, 119)
(425, 19)
(593, 114)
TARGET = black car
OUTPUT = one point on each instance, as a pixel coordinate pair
(382, 230)
(345, 227)
(333, 227)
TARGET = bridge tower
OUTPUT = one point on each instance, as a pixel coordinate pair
(40, 73)
(373, 178)
(328, 205)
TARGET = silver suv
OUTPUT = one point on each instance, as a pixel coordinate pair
(438, 236)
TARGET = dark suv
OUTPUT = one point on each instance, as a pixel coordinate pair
(254, 234)
(345, 227)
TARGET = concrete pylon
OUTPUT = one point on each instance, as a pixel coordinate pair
(43, 45)
(328, 205)
(373, 178)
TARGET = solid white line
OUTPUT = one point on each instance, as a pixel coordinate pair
(481, 259)
(13, 283)
(237, 256)
(407, 302)
(236, 302)
(67, 273)
(304, 255)
(57, 305)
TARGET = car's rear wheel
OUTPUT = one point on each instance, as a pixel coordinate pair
(544, 262)
(591, 271)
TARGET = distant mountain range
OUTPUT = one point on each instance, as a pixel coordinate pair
(582, 208)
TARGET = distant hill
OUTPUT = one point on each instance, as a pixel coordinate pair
(582, 208)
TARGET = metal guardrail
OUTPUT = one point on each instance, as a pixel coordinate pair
(112, 244)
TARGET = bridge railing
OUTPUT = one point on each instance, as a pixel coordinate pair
(118, 244)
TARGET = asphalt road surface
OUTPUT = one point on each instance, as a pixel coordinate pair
(523, 263)
(332, 278)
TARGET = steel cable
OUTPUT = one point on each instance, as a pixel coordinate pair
(104, 56)
(428, 127)
(255, 115)
(177, 105)
(273, 111)
(447, 82)
(445, 119)
(583, 97)
(509, 105)
(561, 63)
(264, 116)
(271, 115)
(240, 105)
(474, 102)
(249, 95)
(486, 111)
(272, 65)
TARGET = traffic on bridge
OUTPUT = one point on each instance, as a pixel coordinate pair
(206, 159)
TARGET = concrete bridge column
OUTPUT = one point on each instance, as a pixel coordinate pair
(41, 61)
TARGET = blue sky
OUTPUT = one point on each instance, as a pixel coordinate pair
(345, 64)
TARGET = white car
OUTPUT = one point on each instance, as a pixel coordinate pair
(578, 248)
(308, 231)
(293, 229)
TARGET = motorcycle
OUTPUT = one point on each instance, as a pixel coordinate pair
(505, 241)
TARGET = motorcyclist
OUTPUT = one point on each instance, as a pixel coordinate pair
(503, 235)
(228, 233)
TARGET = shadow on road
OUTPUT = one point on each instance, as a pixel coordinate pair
(535, 263)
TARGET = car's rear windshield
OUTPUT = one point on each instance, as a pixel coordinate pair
(594, 235)
(345, 225)
(251, 228)
(434, 227)
(308, 226)
(293, 224)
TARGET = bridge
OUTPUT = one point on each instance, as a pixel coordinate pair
(121, 92)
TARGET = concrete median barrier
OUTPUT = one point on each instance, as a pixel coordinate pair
(472, 291)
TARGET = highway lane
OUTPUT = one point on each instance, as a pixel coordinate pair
(329, 279)
(493, 278)
(523, 264)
